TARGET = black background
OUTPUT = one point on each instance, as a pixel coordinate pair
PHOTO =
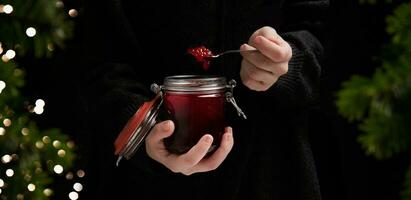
(355, 36)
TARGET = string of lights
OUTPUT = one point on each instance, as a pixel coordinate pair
(31, 158)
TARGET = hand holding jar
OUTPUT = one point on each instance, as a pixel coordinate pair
(193, 161)
(195, 138)
(259, 71)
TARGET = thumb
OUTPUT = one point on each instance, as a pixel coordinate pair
(161, 130)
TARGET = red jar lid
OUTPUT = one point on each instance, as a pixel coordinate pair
(137, 127)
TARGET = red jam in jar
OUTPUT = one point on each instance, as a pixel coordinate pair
(196, 106)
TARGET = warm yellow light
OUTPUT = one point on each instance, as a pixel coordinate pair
(40, 102)
(73, 195)
(50, 47)
(59, 4)
(70, 144)
(30, 31)
(46, 139)
(9, 172)
(69, 176)
(10, 54)
(47, 192)
(20, 197)
(2, 85)
(39, 144)
(81, 173)
(58, 169)
(56, 144)
(61, 153)
(31, 187)
(7, 122)
(6, 159)
(78, 187)
(38, 110)
(73, 13)
(25, 131)
(7, 9)
(4, 58)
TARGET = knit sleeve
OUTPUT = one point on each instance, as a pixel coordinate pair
(303, 28)
(113, 96)
(114, 85)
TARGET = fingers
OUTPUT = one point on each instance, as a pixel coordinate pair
(267, 32)
(260, 70)
(257, 59)
(215, 160)
(270, 44)
(256, 73)
(193, 156)
(255, 78)
(194, 160)
(267, 40)
(154, 141)
(160, 131)
(277, 53)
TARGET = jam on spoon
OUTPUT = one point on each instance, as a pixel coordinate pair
(204, 55)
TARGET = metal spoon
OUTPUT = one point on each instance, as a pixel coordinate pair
(231, 51)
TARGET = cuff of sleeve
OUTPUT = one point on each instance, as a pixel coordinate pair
(287, 85)
(289, 82)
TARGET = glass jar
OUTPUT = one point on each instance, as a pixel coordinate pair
(196, 105)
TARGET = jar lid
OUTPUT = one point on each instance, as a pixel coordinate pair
(194, 83)
(136, 129)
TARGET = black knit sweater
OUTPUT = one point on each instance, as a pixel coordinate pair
(132, 44)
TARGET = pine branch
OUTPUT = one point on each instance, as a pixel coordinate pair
(31, 158)
(381, 103)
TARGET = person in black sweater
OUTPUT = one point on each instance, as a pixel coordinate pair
(132, 44)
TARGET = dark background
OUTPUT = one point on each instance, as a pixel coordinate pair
(356, 34)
